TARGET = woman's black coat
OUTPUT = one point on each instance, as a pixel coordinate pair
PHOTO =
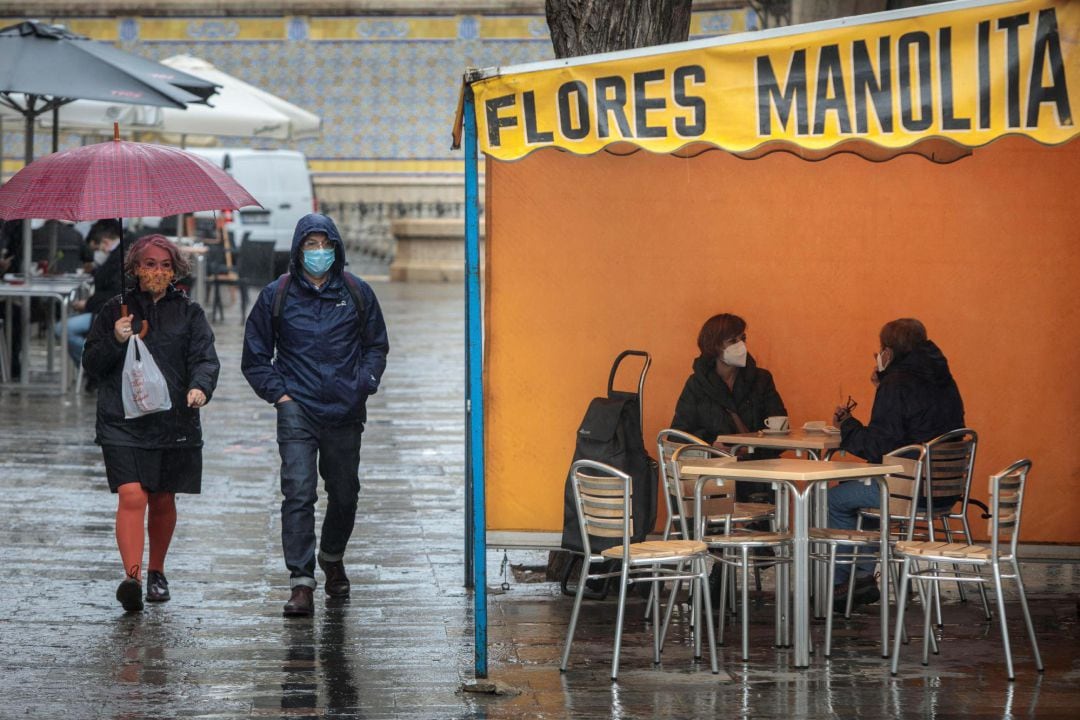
(182, 344)
(705, 405)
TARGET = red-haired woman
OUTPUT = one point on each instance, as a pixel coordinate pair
(149, 459)
(727, 393)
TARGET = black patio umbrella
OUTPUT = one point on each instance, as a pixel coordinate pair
(43, 67)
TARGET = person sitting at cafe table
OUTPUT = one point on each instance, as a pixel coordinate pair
(728, 393)
(103, 238)
(916, 400)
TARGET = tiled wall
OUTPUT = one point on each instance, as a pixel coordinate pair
(385, 87)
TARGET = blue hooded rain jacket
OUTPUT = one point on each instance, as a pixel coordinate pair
(324, 359)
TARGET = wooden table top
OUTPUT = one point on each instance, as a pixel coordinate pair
(795, 439)
(793, 469)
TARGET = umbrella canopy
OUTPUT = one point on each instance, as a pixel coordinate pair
(43, 67)
(119, 179)
(238, 109)
(39, 60)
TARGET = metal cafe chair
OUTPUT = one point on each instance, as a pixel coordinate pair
(602, 495)
(948, 466)
(925, 562)
(837, 546)
(678, 493)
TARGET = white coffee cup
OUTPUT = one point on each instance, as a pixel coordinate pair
(777, 422)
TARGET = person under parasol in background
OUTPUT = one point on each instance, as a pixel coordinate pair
(151, 458)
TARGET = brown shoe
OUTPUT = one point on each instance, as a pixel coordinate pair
(301, 602)
(337, 584)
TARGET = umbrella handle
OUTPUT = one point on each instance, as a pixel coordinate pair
(144, 327)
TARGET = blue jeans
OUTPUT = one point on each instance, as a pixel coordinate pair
(78, 328)
(845, 502)
(308, 450)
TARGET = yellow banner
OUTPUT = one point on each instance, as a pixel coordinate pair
(968, 76)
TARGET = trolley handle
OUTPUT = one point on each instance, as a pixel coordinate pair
(615, 369)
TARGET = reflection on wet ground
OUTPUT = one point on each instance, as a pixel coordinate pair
(402, 645)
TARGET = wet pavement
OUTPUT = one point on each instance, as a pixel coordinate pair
(401, 646)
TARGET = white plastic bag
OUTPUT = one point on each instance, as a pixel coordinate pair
(143, 387)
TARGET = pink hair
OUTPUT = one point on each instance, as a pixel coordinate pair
(181, 267)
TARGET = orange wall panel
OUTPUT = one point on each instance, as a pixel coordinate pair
(590, 256)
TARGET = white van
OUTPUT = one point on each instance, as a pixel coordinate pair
(279, 180)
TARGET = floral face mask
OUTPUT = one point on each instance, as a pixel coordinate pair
(154, 280)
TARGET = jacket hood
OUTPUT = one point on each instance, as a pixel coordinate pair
(313, 223)
(926, 362)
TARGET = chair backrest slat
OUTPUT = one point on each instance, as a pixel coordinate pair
(950, 460)
(718, 496)
(601, 493)
(1007, 499)
(668, 442)
(905, 487)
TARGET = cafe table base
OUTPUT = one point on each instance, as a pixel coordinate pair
(799, 476)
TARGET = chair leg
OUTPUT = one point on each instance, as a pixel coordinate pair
(1001, 617)
(947, 529)
(744, 613)
(896, 585)
(243, 303)
(721, 615)
(675, 585)
(901, 605)
(574, 614)
(704, 582)
(829, 600)
(982, 586)
(1027, 617)
(624, 581)
(656, 622)
(654, 588)
(926, 632)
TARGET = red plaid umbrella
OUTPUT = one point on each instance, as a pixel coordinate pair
(119, 179)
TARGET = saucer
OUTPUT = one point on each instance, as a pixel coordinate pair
(767, 431)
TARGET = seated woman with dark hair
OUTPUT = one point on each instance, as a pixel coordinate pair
(728, 393)
(916, 400)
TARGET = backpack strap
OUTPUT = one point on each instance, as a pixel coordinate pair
(353, 284)
(282, 288)
(280, 291)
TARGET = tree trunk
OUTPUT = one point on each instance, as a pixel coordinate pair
(584, 27)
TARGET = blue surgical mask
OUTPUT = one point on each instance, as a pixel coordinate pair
(318, 262)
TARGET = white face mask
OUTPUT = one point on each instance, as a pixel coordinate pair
(735, 355)
(100, 256)
(882, 363)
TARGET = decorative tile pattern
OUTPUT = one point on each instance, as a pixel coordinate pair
(385, 87)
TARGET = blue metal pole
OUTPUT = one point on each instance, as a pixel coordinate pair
(474, 336)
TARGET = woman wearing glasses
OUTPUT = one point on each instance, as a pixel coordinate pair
(149, 459)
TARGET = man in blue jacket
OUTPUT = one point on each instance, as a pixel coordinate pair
(315, 346)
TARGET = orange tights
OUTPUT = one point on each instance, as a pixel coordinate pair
(130, 513)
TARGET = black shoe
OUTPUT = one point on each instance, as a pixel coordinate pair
(301, 602)
(337, 584)
(865, 593)
(129, 593)
(157, 587)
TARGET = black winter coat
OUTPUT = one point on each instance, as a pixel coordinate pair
(917, 400)
(182, 343)
(106, 283)
(704, 405)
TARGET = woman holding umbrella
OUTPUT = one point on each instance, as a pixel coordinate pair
(151, 458)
